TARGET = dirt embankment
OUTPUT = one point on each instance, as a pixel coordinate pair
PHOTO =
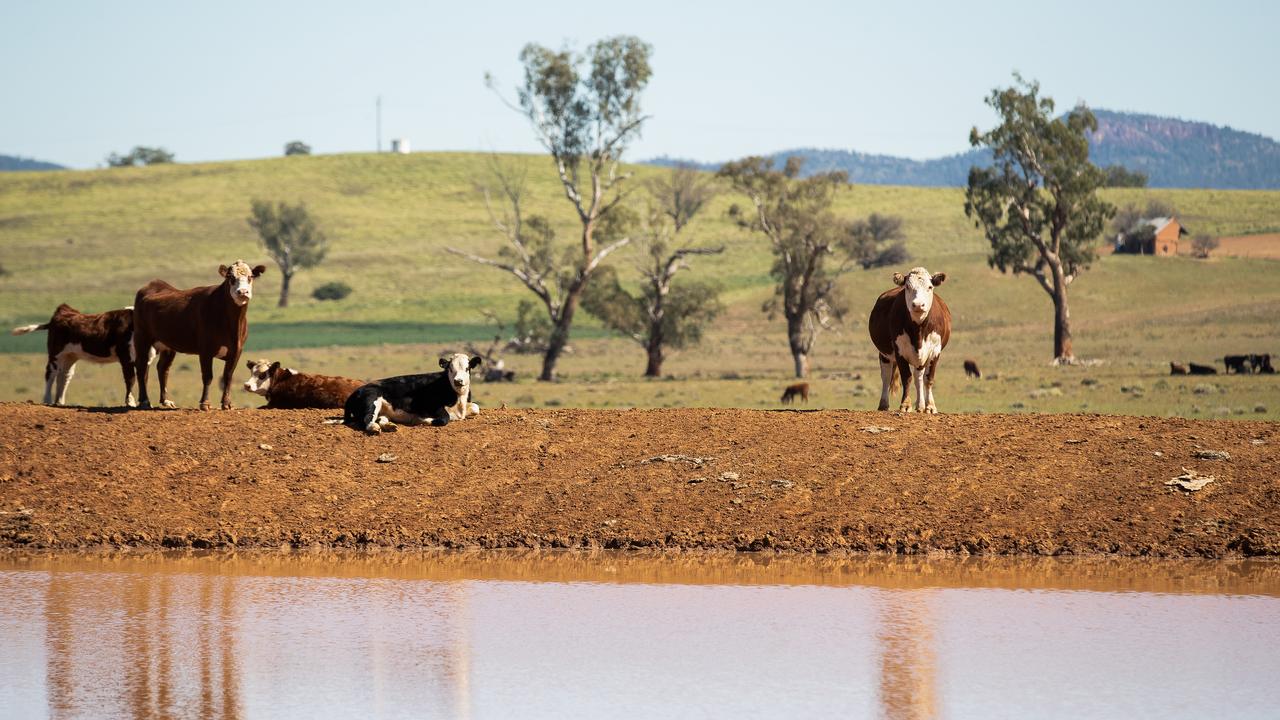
(730, 479)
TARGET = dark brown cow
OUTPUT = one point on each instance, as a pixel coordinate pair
(73, 336)
(287, 389)
(971, 369)
(790, 392)
(211, 322)
(910, 327)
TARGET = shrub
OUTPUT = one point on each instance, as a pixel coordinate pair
(331, 291)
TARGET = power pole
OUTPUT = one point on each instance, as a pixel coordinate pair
(379, 104)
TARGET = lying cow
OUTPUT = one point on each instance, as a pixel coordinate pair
(910, 327)
(1177, 369)
(287, 389)
(210, 321)
(74, 336)
(790, 392)
(1198, 369)
(432, 398)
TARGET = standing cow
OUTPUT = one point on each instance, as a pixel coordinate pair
(211, 322)
(910, 327)
(74, 336)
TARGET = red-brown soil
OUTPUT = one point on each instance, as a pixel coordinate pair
(805, 481)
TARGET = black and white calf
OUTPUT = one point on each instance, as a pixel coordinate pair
(432, 398)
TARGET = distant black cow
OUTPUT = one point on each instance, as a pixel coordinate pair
(971, 369)
(432, 398)
(1236, 363)
(1198, 369)
(1261, 363)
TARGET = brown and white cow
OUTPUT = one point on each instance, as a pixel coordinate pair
(74, 336)
(287, 389)
(910, 326)
(210, 321)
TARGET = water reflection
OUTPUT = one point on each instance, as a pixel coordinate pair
(534, 634)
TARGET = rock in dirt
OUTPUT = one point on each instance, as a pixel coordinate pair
(1212, 454)
(386, 458)
(264, 446)
(697, 461)
(1190, 480)
(728, 476)
(876, 429)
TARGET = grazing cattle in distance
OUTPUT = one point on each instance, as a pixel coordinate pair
(432, 398)
(210, 321)
(971, 369)
(1198, 369)
(790, 392)
(910, 326)
(1236, 363)
(1264, 363)
(73, 336)
(287, 389)
(1177, 369)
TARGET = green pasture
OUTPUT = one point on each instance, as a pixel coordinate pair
(90, 238)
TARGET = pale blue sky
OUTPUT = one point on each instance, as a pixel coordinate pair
(225, 80)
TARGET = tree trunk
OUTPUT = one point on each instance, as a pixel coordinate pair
(284, 290)
(559, 336)
(1062, 352)
(654, 347)
(801, 343)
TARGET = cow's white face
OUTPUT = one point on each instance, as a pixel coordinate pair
(239, 280)
(917, 289)
(457, 368)
(260, 376)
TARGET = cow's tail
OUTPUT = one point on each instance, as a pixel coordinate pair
(893, 379)
(29, 329)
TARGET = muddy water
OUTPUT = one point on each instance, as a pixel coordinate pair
(609, 635)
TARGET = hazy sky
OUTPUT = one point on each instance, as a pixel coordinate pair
(223, 80)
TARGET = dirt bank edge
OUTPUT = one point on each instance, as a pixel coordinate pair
(676, 479)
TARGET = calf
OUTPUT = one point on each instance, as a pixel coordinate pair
(433, 398)
(74, 336)
(790, 392)
(287, 389)
(910, 327)
(1198, 369)
(210, 321)
(1177, 369)
(1236, 363)
(971, 369)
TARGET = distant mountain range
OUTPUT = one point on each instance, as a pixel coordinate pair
(1171, 152)
(12, 162)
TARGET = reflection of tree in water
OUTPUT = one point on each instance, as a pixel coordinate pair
(908, 668)
(163, 644)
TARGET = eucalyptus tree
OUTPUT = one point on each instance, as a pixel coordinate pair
(1038, 203)
(585, 110)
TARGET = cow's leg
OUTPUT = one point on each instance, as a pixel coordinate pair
(886, 380)
(141, 355)
(929, 405)
(50, 371)
(904, 374)
(125, 353)
(162, 377)
(206, 379)
(441, 418)
(66, 371)
(228, 369)
(920, 375)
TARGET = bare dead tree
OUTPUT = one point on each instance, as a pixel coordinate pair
(533, 256)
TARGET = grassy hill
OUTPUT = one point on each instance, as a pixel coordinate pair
(91, 238)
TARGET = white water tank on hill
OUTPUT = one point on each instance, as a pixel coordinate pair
(400, 145)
